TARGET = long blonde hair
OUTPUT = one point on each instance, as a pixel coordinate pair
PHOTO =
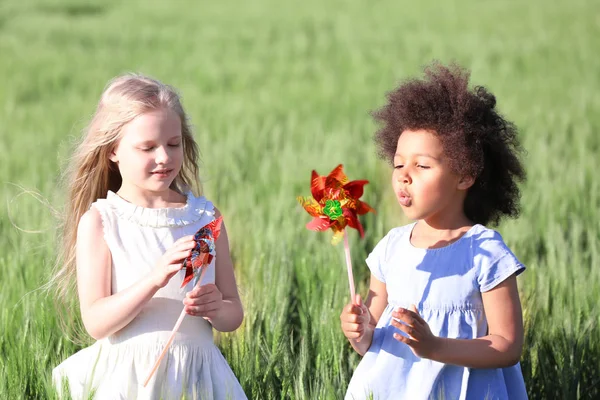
(90, 174)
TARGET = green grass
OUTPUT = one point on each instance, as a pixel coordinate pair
(274, 90)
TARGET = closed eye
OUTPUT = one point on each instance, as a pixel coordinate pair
(398, 166)
(423, 166)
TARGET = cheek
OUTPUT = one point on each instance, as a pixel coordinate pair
(395, 180)
(430, 184)
(179, 156)
(138, 163)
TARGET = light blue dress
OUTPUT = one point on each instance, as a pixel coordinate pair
(445, 284)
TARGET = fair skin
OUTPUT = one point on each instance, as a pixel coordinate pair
(149, 156)
(429, 192)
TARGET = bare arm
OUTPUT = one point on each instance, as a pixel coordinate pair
(219, 303)
(500, 348)
(359, 321)
(104, 314)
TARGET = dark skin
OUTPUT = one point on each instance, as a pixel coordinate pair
(434, 196)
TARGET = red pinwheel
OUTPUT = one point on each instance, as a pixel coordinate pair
(203, 252)
(335, 204)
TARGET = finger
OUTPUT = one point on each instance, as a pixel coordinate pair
(354, 335)
(352, 328)
(205, 300)
(181, 246)
(357, 310)
(178, 257)
(210, 296)
(354, 319)
(208, 288)
(183, 239)
(186, 246)
(409, 320)
(172, 269)
(210, 315)
(195, 301)
(357, 300)
(407, 317)
(364, 309)
(404, 339)
(204, 308)
(409, 330)
(195, 313)
(352, 309)
(193, 310)
(354, 313)
(416, 314)
(198, 291)
(199, 299)
(175, 251)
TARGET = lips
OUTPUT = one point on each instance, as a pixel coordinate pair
(161, 173)
(404, 198)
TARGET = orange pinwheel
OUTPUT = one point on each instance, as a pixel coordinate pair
(335, 203)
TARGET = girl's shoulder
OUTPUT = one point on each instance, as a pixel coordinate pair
(394, 238)
(493, 259)
(397, 235)
(486, 242)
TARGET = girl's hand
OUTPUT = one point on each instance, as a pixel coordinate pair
(170, 263)
(355, 319)
(421, 341)
(205, 301)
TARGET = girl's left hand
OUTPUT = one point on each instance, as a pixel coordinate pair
(421, 341)
(204, 301)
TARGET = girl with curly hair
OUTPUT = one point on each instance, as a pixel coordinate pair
(443, 317)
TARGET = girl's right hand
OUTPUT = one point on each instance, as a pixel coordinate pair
(355, 319)
(170, 262)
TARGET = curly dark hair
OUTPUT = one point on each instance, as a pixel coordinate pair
(477, 140)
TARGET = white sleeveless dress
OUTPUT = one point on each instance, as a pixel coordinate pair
(117, 366)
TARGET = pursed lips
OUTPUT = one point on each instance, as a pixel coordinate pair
(403, 193)
(404, 198)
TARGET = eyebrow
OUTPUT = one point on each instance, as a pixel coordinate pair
(154, 141)
(419, 155)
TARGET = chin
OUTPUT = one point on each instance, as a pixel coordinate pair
(411, 213)
(158, 188)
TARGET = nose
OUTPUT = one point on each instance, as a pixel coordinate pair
(404, 176)
(162, 155)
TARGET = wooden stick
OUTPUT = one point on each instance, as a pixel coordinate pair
(175, 328)
(349, 266)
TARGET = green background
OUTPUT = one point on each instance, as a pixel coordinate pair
(275, 89)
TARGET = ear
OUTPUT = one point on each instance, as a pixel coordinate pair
(112, 156)
(465, 182)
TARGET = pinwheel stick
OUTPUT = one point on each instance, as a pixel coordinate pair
(173, 332)
(349, 265)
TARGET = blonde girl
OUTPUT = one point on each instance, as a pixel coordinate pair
(133, 205)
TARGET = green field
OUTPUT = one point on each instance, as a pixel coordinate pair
(275, 89)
